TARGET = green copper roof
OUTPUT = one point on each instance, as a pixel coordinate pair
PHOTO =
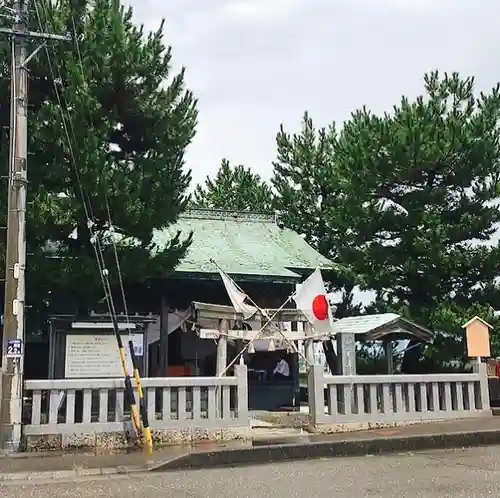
(241, 243)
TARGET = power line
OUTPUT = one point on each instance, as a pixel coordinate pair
(142, 406)
(94, 237)
(14, 306)
(68, 127)
(112, 238)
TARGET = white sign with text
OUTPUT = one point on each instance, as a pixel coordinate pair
(96, 355)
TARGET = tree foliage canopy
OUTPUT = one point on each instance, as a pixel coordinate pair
(235, 188)
(407, 200)
(103, 124)
(425, 180)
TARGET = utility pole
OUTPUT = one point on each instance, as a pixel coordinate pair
(11, 406)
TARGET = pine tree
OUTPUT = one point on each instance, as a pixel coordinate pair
(308, 195)
(407, 200)
(235, 188)
(423, 184)
(107, 119)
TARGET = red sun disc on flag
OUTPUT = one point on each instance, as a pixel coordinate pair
(320, 307)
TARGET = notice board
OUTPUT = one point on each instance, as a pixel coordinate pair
(95, 355)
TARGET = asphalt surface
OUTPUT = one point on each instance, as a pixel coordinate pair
(465, 473)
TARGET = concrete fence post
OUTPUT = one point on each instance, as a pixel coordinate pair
(316, 394)
(482, 370)
(240, 371)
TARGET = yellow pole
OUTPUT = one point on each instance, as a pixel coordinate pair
(129, 391)
(146, 430)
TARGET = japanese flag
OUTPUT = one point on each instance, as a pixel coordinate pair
(311, 299)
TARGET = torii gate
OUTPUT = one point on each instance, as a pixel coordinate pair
(222, 322)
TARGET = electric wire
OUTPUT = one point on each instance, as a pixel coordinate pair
(140, 394)
(67, 127)
(92, 126)
(87, 206)
(64, 122)
(94, 237)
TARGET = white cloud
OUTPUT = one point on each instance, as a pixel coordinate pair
(248, 10)
(254, 64)
(411, 6)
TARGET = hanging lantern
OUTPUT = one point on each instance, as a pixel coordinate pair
(251, 348)
(271, 346)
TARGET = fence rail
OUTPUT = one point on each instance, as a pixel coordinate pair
(84, 406)
(364, 398)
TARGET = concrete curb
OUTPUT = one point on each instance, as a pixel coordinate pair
(265, 451)
(330, 449)
(69, 474)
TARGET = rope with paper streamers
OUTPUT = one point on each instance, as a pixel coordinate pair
(269, 322)
(238, 355)
(262, 310)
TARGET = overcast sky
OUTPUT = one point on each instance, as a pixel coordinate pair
(254, 64)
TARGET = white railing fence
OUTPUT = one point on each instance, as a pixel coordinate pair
(93, 406)
(392, 398)
(84, 406)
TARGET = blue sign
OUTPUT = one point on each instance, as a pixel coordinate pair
(14, 348)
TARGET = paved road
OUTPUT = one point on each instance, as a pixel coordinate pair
(468, 473)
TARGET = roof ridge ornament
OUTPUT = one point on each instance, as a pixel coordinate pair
(227, 214)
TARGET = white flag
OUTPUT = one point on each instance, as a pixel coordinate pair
(311, 299)
(237, 297)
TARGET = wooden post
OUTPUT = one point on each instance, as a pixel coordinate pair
(239, 345)
(309, 344)
(296, 371)
(222, 348)
(163, 337)
(145, 358)
(389, 355)
(296, 379)
(52, 351)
